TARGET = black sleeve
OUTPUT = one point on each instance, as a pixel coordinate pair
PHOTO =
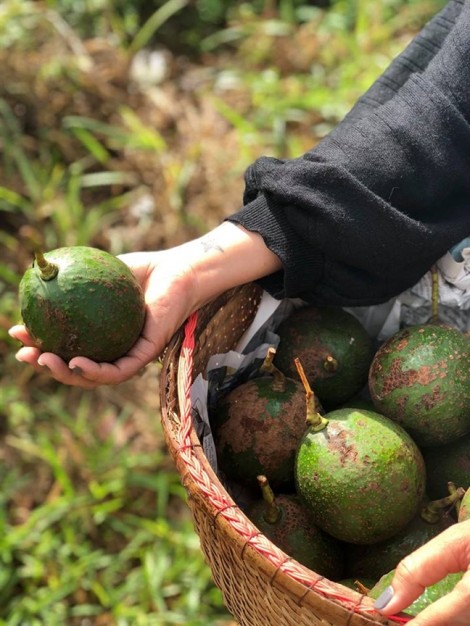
(365, 214)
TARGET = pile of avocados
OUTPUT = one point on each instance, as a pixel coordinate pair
(354, 453)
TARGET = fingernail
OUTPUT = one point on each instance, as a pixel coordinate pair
(76, 370)
(384, 598)
(43, 365)
(18, 358)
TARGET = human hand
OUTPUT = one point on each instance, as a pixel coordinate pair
(176, 282)
(167, 281)
(447, 553)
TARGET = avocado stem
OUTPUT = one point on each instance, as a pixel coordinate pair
(361, 588)
(272, 511)
(279, 379)
(434, 294)
(330, 364)
(452, 489)
(313, 418)
(47, 270)
(433, 511)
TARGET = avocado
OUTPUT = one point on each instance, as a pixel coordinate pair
(464, 511)
(334, 348)
(420, 377)
(450, 462)
(82, 301)
(286, 522)
(429, 595)
(361, 475)
(257, 426)
(376, 560)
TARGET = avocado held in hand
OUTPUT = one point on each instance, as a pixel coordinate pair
(82, 301)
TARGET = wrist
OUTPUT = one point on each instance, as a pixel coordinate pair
(226, 257)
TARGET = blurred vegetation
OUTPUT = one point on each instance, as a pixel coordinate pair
(128, 125)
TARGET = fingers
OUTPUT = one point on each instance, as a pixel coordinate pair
(447, 553)
(167, 306)
(81, 371)
(112, 373)
(20, 333)
(451, 610)
(30, 355)
(47, 362)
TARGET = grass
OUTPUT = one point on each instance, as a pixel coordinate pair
(94, 524)
(93, 516)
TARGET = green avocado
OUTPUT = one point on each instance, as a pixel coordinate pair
(447, 463)
(82, 301)
(420, 377)
(464, 511)
(429, 595)
(334, 348)
(256, 429)
(378, 559)
(286, 522)
(361, 476)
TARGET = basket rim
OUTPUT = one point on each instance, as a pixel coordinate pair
(206, 489)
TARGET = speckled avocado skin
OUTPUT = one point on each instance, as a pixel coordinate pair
(429, 595)
(362, 476)
(94, 307)
(297, 536)
(312, 334)
(420, 378)
(378, 559)
(257, 429)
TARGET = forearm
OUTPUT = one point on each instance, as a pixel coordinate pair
(363, 215)
(226, 257)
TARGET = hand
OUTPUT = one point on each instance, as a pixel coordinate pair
(168, 284)
(176, 282)
(447, 553)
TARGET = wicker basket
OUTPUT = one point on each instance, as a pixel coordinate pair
(261, 585)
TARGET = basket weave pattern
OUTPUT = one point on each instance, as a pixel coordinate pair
(261, 585)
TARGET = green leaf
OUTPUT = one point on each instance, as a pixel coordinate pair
(154, 22)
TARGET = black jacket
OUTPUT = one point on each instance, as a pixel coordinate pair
(363, 215)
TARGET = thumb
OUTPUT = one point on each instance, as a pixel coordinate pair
(447, 553)
(452, 608)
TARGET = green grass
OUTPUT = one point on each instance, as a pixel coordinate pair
(94, 526)
(92, 513)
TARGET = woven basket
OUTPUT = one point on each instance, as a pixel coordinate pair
(261, 585)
